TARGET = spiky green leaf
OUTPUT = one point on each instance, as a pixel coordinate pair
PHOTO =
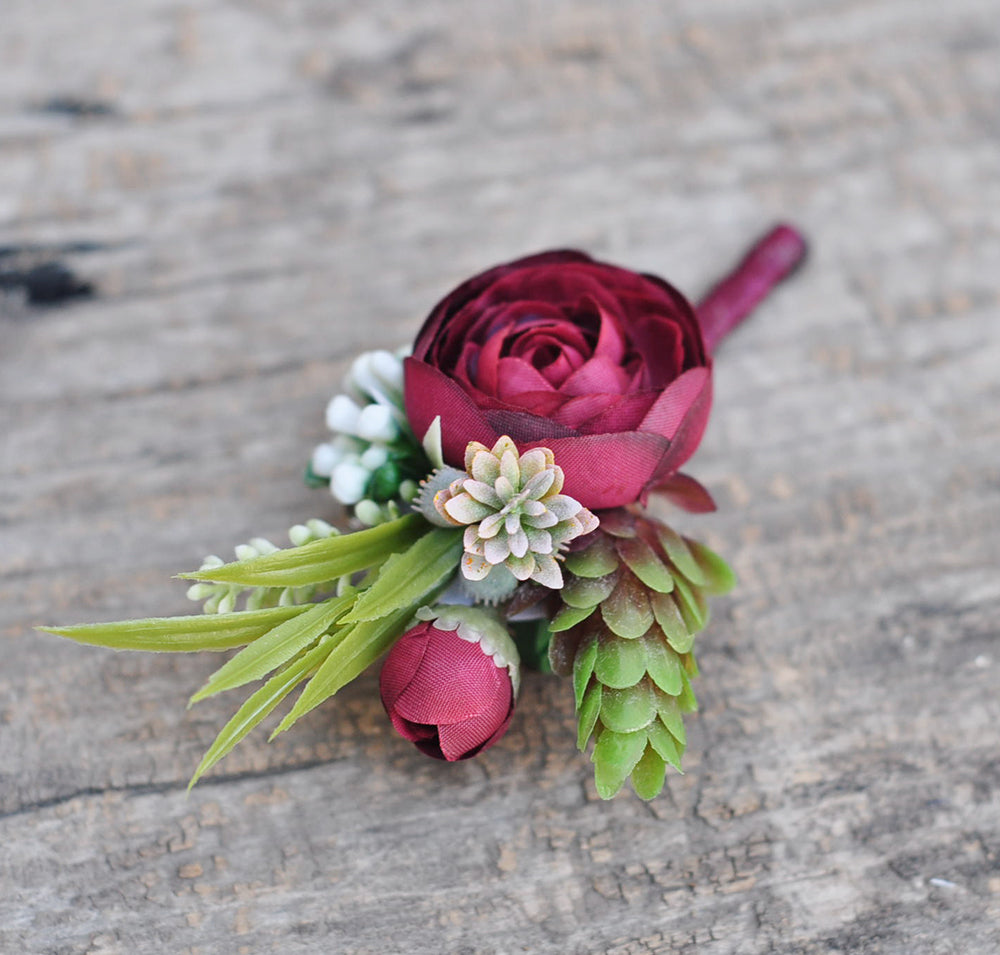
(222, 631)
(354, 649)
(407, 577)
(257, 706)
(322, 560)
(276, 647)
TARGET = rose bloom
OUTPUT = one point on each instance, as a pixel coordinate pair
(606, 367)
(445, 694)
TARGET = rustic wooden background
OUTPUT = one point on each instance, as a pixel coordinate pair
(207, 207)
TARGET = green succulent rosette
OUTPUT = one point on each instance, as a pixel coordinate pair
(635, 597)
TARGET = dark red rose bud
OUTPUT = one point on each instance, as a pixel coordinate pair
(449, 683)
(606, 367)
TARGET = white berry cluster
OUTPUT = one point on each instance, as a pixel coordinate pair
(365, 460)
(222, 598)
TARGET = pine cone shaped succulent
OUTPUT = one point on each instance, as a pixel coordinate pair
(514, 512)
(635, 598)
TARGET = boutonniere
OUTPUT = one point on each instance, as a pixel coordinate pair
(497, 476)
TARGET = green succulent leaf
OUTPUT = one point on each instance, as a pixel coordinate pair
(615, 756)
(222, 631)
(617, 522)
(629, 709)
(720, 577)
(276, 647)
(663, 664)
(569, 617)
(687, 701)
(649, 774)
(692, 605)
(407, 577)
(596, 560)
(589, 710)
(645, 563)
(663, 741)
(670, 621)
(680, 556)
(627, 611)
(586, 592)
(583, 668)
(322, 560)
(669, 712)
(620, 663)
(258, 706)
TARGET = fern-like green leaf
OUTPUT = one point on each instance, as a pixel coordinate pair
(258, 706)
(222, 631)
(321, 560)
(275, 648)
(407, 576)
(354, 650)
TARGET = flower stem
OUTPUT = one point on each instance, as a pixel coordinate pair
(771, 259)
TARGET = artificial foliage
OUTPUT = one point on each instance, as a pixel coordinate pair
(498, 475)
(635, 598)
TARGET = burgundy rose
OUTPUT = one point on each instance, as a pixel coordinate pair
(449, 684)
(606, 367)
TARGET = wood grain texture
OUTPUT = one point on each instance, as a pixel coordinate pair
(257, 189)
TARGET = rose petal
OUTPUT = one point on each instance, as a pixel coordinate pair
(515, 376)
(681, 414)
(470, 737)
(456, 681)
(430, 393)
(626, 464)
(402, 663)
(577, 411)
(524, 427)
(624, 413)
(599, 375)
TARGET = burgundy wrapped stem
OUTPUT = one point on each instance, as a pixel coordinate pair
(771, 260)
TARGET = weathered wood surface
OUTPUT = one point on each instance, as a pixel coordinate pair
(258, 189)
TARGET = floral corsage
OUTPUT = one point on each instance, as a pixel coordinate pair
(498, 474)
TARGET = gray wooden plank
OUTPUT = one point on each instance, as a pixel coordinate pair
(256, 191)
